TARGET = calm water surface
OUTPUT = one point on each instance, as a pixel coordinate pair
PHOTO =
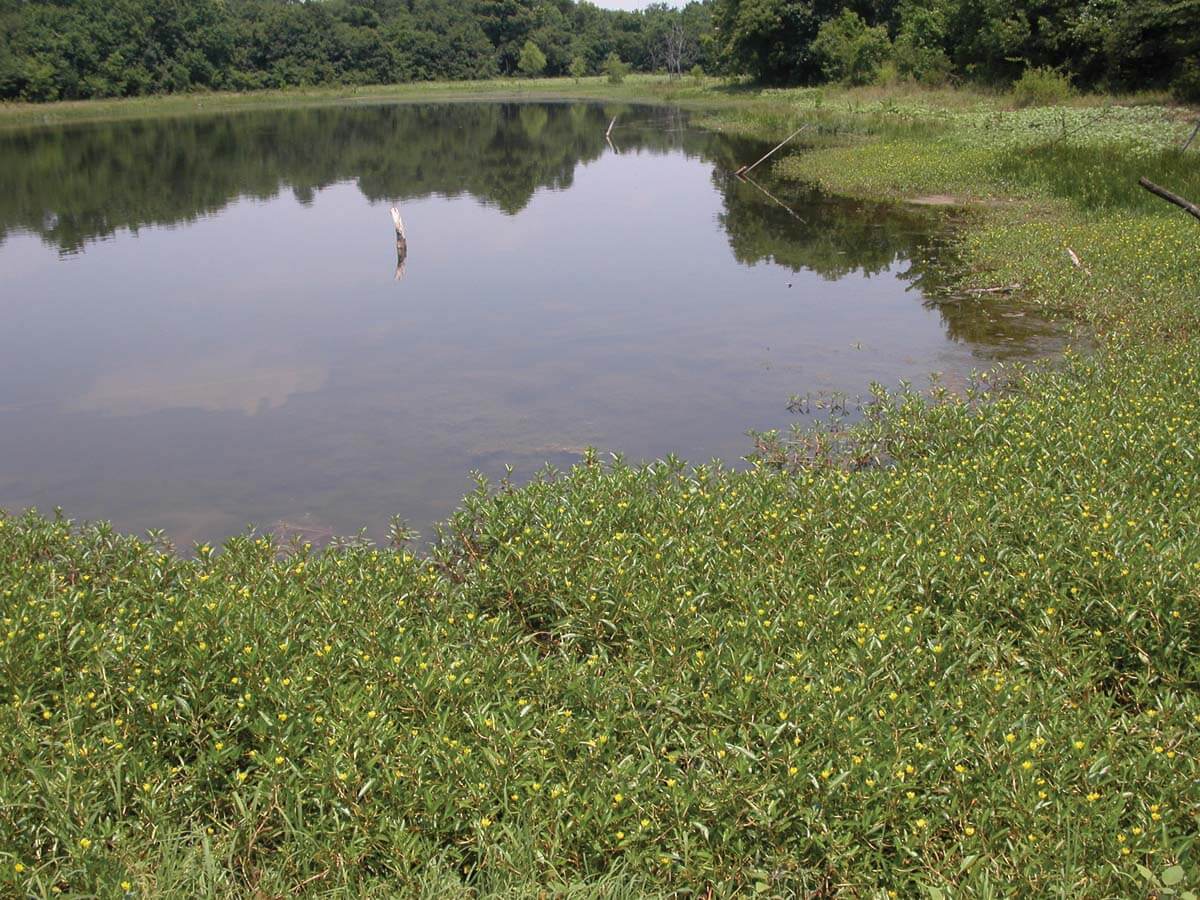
(203, 325)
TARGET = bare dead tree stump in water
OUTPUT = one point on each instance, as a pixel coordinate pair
(1186, 205)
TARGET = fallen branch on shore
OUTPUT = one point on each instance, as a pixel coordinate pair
(1186, 205)
(744, 170)
(1077, 262)
(1001, 289)
(957, 295)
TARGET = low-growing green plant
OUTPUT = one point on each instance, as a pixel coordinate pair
(1041, 87)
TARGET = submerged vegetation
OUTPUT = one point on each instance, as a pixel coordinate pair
(954, 652)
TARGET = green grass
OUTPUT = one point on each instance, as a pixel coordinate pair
(648, 88)
(955, 654)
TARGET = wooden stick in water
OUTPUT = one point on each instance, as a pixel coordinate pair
(610, 127)
(744, 169)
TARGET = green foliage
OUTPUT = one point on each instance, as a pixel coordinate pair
(99, 48)
(1041, 87)
(851, 52)
(532, 61)
(579, 67)
(919, 48)
(1186, 88)
(615, 69)
(1126, 44)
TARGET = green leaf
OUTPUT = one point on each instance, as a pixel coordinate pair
(1172, 876)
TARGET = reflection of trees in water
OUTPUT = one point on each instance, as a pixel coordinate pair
(74, 184)
(835, 237)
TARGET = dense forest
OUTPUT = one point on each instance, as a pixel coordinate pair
(65, 49)
(1096, 44)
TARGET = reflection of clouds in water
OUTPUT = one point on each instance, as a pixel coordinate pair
(213, 385)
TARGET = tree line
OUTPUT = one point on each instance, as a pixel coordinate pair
(72, 49)
(69, 49)
(1117, 45)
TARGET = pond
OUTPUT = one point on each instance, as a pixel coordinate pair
(206, 326)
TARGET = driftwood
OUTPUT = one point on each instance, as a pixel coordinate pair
(1186, 205)
(744, 170)
(1005, 289)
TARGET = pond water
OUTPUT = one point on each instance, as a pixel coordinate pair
(204, 327)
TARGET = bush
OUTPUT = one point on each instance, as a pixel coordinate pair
(851, 52)
(697, 73)
(615, 69)
(579, 67)
(1041, 87)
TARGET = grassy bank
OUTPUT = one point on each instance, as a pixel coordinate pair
(969, 671)
(646, 88)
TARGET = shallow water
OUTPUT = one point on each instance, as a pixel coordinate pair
(203, 325)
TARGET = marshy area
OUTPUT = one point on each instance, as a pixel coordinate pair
(969, 672)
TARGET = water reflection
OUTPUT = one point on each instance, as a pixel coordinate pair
(205, 328)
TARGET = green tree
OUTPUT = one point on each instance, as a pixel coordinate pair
(850, 50)
(919, 46)
(532, 61)
(579, 67)
(770, 40)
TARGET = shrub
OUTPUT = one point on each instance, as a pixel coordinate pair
(850, 51)
(579, 67)
(1041, 87)
(615, 68)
